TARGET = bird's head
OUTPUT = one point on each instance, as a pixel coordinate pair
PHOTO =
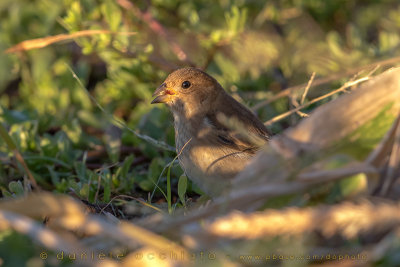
(187, 90)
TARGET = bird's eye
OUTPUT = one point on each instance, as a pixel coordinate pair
(186, 84)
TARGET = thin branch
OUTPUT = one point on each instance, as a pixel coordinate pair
(342, 88)
(331, 78)
(303, 97)
(43, 42)
(346, 171)
(296, 105)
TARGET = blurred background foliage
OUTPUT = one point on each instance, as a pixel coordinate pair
(254, 49)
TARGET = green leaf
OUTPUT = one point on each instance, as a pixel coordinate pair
(6, 137)
(112, 14)
(169, 195)
(73, 18)
(155, 169)
(80, 169)
(84, 192)
(14, 116)
(55, 178)
(124, 180)
(126, 165)
(353, 185)
(182, 186)
(107, 179)
(16, 187)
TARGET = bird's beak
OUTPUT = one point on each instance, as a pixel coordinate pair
(162, 94)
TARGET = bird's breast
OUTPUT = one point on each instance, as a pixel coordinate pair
(209, 164)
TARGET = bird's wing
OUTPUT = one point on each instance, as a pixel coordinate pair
(236, 133)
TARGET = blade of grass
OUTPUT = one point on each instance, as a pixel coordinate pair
(134, 198)
(157, 187)
(169, 195)
(182, 187)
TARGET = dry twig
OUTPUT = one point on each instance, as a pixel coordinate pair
(43, 42)
(347, 219)
(303, 97)
(342, 88)
(331, 78)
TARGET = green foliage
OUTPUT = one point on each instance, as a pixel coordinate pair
(363, 140)
(20, 249)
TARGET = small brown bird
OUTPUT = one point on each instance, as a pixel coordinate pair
(215, 136)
